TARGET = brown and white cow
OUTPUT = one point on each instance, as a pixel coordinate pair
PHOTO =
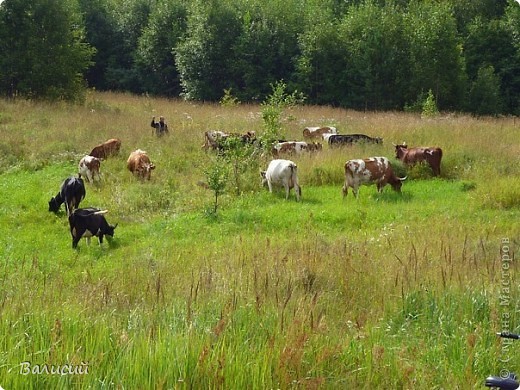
(106, 149)
(140, 165)
(89, 167)
(317, 132)
(373, 170)
(212, 138)
(295, 147)
(282, 173)
(412, 156)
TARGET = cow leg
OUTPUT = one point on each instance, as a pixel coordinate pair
(344, 190)
(100, 239)
(270, 185)
(287, 190)
(77, 237)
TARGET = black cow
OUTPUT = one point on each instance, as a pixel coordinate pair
(349, 139)
(71, 193)
(89, 222)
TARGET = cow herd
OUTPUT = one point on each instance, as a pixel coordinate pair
(358, 172)
(89, 222)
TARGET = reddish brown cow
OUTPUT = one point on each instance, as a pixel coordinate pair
(106, 149)
(373, 170)
(412, 156)
(140, 165)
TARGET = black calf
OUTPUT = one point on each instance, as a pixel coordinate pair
(71, 193)
(89, 222)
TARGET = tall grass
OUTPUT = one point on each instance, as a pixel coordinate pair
(389, 290)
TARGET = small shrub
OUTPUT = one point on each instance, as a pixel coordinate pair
(228, 100)
(429, 107)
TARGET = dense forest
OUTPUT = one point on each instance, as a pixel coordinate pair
(360, 54)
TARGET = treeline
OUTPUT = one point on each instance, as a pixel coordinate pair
(370, 54)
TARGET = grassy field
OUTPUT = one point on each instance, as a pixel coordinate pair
(397, 291)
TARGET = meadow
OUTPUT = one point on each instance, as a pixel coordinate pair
(398, 291)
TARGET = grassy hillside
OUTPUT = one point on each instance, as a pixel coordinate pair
(386, 291)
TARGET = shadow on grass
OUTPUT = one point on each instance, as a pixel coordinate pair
(393, 197)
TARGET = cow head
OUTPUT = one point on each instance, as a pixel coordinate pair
(264, 177)
(398, 183)
(54, 205)
(110, 230)
(400, 150)
(147, 170)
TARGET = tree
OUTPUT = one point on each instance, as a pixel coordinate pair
(43, 56)
(155, 57)
(203, 58)
(435, 54)
(484, 95)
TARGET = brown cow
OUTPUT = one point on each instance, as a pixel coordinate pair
(106, 149)
(412, 156)
(317, 132)
(140, 165)
(373, 170)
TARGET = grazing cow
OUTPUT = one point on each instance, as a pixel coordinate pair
(106, 149)
(213, 139)
(373, 170)
(140, 165)
(89, 222)
(282, 173)
(349, 139)
(71, 193)
(317, 132)
(89, 168)
(432, 155)
(295, 147)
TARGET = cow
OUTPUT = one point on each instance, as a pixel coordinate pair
(373, 170)
(412, 156)
(71, 193)
(214, 139)
(350, 139)
(282, 173)
(88, 168)
(317, 132)
(106, 149)
(89, 222)
(326, 136)
(140, 165)
(295, 147)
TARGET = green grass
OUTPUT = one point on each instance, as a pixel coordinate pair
(384, 291)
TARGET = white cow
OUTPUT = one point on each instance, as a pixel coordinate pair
(89, 168)
(326, 136)
(282, 173)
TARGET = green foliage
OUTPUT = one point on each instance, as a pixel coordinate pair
(43, 56)
(484, 95)
(155, 55)
(429, 107)
(273, 108)
(217, 174)
(228, 100)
